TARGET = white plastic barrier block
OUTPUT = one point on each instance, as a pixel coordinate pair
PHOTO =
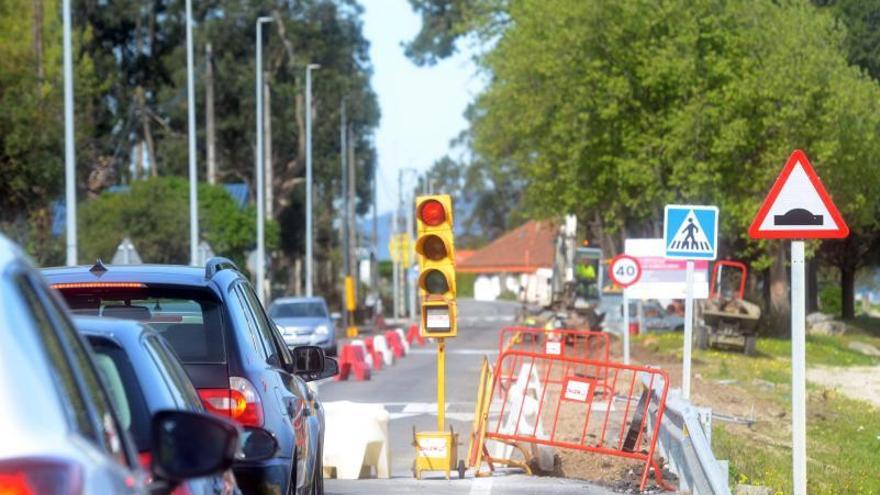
(356, 442)
(403, 340)
(380, 344)
(368, 357)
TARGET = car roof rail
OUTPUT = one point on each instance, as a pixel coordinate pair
(217, 263)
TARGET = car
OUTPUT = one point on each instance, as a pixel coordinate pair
(60, 431)
(143, 376)
(232, 352)
(305, 321)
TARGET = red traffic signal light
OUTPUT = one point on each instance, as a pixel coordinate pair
(433, 248)
(432, 213)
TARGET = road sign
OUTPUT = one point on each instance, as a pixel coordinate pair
(399, 247)
(625, 270)
(691, 232)
(798, 206)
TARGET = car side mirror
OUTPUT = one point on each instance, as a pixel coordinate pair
(191, 445)
(308, 359)
(258, 444)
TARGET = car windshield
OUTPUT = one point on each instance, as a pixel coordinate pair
(298, 310)
(124, 390)
(190, 320)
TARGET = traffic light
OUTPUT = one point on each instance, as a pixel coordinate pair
(436, 251)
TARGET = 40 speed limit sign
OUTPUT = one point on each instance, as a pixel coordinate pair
(625, 270)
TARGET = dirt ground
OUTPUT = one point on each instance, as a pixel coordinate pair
(858, 382)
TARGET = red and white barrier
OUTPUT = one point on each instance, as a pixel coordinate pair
(413, 336)
(395, 343)
(352, 359)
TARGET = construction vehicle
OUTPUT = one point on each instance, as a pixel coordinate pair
(729, 321)
(578, 278)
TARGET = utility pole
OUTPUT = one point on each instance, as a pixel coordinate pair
(69, 143)
(401, 270)
(309, 194)
(410, 232)
(396, 262)
(352, 217)
(343, 224)
(191, 126)
(267, 129)
(259, 166)
(209, 115)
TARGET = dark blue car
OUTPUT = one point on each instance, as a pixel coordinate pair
(231, 351)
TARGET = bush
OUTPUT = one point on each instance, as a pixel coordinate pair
(154, 213)
(464, 284)
(831, 299)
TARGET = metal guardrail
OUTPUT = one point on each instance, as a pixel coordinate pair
(685, 442)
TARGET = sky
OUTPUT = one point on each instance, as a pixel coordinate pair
(422, 107)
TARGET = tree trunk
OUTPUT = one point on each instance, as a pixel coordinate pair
(848, 286)
(813, 285)
(37, 33)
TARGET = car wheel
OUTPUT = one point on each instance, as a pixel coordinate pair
(291, 487)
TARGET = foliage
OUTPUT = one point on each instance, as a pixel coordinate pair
(830, 299)
(464, 284)
(155, 215)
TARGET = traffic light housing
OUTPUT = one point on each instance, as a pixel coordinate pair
(435, 248)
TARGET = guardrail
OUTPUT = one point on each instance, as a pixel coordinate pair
(685, 442)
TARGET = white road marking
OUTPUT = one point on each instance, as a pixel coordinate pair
(481, 486)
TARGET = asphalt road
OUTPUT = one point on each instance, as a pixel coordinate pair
(408, 391)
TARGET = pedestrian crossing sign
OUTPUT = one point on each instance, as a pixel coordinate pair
(691, 232)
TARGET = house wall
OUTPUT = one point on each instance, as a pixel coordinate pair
(489, 286)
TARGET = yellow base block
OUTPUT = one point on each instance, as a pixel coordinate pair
(436, 451)
(351, 332)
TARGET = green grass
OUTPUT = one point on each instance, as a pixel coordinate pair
(843, 435)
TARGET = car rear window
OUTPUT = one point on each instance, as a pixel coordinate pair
(124, 390)
(190, 320)
(298, 310)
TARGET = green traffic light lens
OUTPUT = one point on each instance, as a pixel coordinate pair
(434, 248)
(435, 282)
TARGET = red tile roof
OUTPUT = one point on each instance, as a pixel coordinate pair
(522, 250)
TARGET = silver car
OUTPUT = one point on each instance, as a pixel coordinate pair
(304, 321)
(60, 432)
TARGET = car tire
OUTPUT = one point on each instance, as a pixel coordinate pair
(291, 487)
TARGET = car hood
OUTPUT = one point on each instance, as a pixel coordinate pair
(302, 322)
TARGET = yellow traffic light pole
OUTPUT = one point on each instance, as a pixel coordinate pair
(441, 383)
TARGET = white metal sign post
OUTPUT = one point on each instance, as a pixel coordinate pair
(691, 233)
(798, 207)
(625, 271)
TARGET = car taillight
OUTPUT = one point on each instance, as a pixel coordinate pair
(239, 402)
(39, 477)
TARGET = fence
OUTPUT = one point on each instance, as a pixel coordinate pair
(583, 344)
(569, 402)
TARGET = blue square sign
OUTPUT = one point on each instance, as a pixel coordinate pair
(691, 232)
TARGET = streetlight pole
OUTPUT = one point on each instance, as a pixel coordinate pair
(309, 260)
(69, 149)
(261, 205)
(191, 119)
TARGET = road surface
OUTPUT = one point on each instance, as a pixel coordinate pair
(408, 391)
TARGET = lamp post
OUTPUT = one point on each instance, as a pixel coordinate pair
(191, 121)
(309, 261)
(69, 143)
(261, 206)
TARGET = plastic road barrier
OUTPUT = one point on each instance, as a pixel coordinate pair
(368, 356)
(352, 360)
(380, 344)
(394, 342)
(372, 352)
(599, 407)
(356, 440)
(413, 336)
(403, 341)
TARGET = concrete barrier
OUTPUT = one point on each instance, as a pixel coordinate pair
(356, 442)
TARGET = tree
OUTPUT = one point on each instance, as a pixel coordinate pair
(154, 213)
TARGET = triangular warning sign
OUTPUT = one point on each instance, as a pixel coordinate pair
(690, 237)
(798, 206)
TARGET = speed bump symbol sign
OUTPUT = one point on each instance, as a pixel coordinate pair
(798, 206)
(691, 232)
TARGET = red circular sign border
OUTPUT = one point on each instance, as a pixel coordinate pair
(621, 257)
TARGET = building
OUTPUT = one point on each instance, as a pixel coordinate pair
(517, 264)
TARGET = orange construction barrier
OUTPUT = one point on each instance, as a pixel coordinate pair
(351, 360)
(568, 402)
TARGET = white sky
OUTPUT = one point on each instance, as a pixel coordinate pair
(422, 108)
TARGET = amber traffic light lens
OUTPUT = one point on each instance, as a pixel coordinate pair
(432, 213)
(434, 248)
(435, 282)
